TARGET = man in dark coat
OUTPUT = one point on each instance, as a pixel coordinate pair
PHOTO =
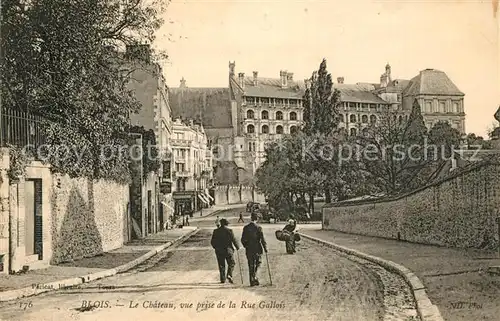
(223, 241)
(255, 244)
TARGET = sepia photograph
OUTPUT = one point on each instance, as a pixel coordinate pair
(298, 160)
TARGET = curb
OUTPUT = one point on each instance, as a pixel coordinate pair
(426, 310)
(71, 282)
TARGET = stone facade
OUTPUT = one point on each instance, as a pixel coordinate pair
(236, 194)
(458, 211)
(88, 217)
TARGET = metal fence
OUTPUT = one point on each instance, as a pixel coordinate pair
(21, 129)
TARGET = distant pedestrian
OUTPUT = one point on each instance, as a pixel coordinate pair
(241, 218)
(187, 220)
(290, 229)
(223, 242)
(217, 221)
(255, 244)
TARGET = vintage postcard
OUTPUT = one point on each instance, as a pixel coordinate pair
(250, 160)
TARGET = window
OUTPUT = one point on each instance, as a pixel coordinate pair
(265, 129)
(293, 129)
(179, 167)
(279, 115)
(249, 100)
(364, 119)
(250, 146)
(373, 106)
(265, 100)
(442, 107)
(373, 119)
(279, 101)
(293, 102)
(265, 114)
(428, 107)
(250, 129)
(364, 106)
(455, 107)
(341, 118)
(365, 131)
(250, 114)
(352, 105)
(293, 115)
(352, 118)
(279, 129)
(353, 131)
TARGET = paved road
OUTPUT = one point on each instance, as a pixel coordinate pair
(182, 284)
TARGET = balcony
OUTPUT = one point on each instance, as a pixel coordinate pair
(183, 174)
(180, 142)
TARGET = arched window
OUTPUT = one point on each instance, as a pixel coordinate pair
(265, 129)
(293, 129)
(373, 119)
(250, 129)
(293, 115)
(353, 131)
(279, 115)
(341, 118)
(365, 131)
(279, 129)
(364, 119)
(265, 114)
(352, 118)
(250, 114)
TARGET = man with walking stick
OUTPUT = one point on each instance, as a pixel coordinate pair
(223, 241)
(255, 245)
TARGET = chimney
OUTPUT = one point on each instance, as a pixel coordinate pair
(139, 52)
(241, 79)
(183, 83)
(388, 72)
(290, 77)
(231, 69)
(340, 80)
(283, 76)
(255, 80)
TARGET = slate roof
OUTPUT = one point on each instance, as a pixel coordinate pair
(271, 87)
(431, 82)
(211, 105)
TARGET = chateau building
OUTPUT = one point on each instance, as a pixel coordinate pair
(256, 110)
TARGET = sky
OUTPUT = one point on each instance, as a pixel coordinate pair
(357, 37)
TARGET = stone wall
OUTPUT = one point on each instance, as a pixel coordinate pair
(4, 211)
(458, 211)
(88, 217)
(236, 194)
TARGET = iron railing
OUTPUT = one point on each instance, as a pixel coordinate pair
(21, 129)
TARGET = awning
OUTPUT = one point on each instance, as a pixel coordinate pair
(208, 196)
(200, 196)
(166, 204)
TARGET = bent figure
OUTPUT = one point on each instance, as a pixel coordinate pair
(290, 242)
(223, 242)
(255, 245)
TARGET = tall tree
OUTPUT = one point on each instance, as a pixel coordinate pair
(392, 151)
(59, 59)
(321, 119)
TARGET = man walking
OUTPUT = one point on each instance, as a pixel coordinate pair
(241, 218)
(223, 241)
(255, 244)
(217, 222)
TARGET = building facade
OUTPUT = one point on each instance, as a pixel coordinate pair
(256, 110)
(193, 167)
(152, 197)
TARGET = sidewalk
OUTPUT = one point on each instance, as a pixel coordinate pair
(84, 270)
(455, 280)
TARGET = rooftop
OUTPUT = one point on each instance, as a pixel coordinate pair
(431, 82)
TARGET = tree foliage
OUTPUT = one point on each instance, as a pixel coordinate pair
(60, 60)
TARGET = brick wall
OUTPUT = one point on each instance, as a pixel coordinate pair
(458, 212)
(88, 217)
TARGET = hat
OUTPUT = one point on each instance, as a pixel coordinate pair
(254, 216)
(291, 221)
(224, 222)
